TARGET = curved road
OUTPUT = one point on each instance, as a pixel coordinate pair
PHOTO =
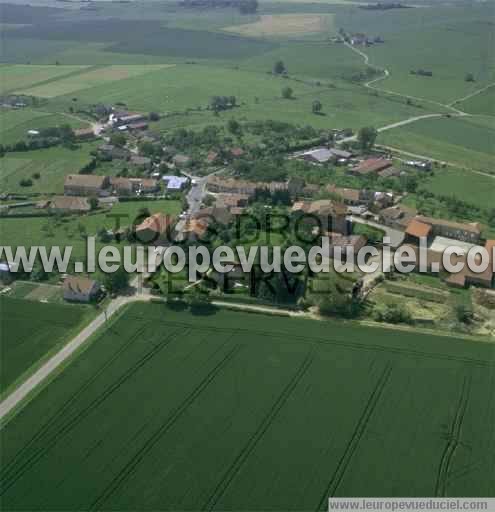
(386, 74)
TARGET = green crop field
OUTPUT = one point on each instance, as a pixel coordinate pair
(86, 79)
(29, 330)
(468, 141)
(14, 124)
(52, 164)
(18, 77)
(476, 189)
(483, 103)
(449, 40)
(168, 411)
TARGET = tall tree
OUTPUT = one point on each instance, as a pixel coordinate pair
(287, 92)
(248, 6)
(367, 137)
(279, 68)
(316, 107)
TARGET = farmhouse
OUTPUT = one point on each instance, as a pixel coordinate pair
(181, 160)
(218, 214)
(397, 217)
(138, 126)
(439, 227)
(341, 154)
(109, 152)
(146, 185)
(216, 184)
(84, 133)
(70, 204)
(370, 166)
(122, 186)
(232, 200)
(416, 230)
(154, 228)
(389, 172)
(212, 157)
(124, 118)
(330, 214)
(466, 277)
(346, 243)
(80, 289)
(129, 186)
(85, 185)
(318, 156)
(351, 196)
(140, 161)
(192, 229)
(236, 152)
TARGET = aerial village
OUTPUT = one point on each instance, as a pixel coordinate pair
(211, 181)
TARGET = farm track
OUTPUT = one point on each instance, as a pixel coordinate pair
(243, 455)
(345, 344)
(129, 468)
(386, 73)
(356, 437)
(10, 479)
(70, 401)
(453, 440)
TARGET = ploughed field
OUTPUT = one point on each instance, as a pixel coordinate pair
(172, 411)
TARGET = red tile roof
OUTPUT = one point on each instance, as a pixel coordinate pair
(418, 229)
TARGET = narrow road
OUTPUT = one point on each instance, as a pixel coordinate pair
(386, 74)
(397, 124)
(396, 236)
(56, 361)
(456, 112)
(424, 157)
(475, 93)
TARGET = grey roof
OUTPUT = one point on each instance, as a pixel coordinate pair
(341, 153)
(321, 154)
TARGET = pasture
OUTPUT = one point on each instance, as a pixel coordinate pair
(466, 141)
(71, 230)
(269, 25)
(476, 189)
(30, 330)
(169, 411)
(449, 40)
(19, 77)
(52, 164)
(483, 103)
(14, 124)
(94, 77)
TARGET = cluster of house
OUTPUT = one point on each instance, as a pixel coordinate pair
(360, 39)
(440, 234)
(357, 39)
(378, 166)
(123, 120)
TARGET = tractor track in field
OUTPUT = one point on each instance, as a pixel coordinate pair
(129, 468)
(67, 404)
(247, 449)
(453, 440)
(10, 479)
(346, 344)
(356, 437)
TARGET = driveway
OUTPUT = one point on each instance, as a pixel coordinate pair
(396, 236)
